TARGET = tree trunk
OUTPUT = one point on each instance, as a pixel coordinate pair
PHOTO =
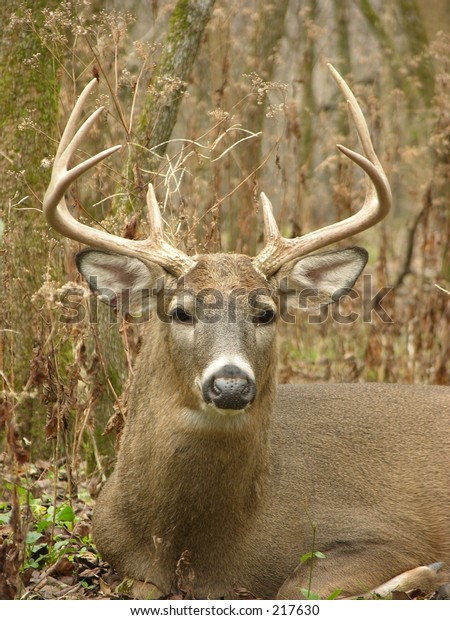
(169, 82)
(268, 34)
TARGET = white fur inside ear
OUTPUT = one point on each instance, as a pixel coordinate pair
(122, 282)
(113, 272)
(329, 271)
(322, 278)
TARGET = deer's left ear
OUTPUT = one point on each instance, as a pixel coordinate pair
(318, 279)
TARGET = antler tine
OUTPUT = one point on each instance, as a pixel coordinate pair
(275, 244)
(377, 203)
(156, 239)
(271, 231)
(154, 213)
(357, 115)
(71, 125)
(154, 249)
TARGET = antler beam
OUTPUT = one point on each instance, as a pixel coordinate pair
(279, 250)
(155, 248)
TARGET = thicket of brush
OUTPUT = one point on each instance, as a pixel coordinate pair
(261, 113)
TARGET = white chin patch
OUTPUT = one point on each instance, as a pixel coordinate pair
(216, 411)
(208, 417)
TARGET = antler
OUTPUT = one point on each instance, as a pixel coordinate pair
(279, 250)
(155, 248)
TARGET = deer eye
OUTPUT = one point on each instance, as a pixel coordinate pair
(179, 315)
(264, 318)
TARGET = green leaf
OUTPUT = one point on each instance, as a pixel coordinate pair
(334, 594)
(306, 557)
(32, 537)
(65, 514)
(309, 595)
(310, 555)
(61, 543)
(43, 525)
(319, 555)
(38, 547)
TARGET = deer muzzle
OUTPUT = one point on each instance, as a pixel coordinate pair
(229, 387)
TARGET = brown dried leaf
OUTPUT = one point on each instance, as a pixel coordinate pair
(81, 529)
(105, 588)
(90, 572)
(130, 230)
(64, 567)
(13, 439)
(38, 366)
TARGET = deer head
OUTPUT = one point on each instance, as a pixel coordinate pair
(118, 268)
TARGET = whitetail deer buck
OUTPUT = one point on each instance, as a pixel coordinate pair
(219, 461)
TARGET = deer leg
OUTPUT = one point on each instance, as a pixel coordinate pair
(357, 576)
(424, 578)
(145, 591)
(116, 540)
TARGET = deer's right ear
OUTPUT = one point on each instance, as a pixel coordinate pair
(120, 281)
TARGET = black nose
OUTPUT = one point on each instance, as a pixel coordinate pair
(229, 388)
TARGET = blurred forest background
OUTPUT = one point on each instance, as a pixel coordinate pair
(214, 102)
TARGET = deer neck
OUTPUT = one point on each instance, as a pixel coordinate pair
(199, 466)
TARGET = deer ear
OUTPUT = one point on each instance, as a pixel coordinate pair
(120, 281)
(320, 278)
